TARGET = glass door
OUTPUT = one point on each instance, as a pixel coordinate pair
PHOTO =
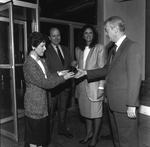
(13, 50)
(17, 20)
(8, 104)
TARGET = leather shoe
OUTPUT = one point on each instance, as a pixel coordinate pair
(106, 137)
(84, 142)
(68, 135)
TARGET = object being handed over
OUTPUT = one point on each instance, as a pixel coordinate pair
(73, 67)
(80, 73)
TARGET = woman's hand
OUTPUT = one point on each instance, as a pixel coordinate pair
(69, 75)
(63, 72)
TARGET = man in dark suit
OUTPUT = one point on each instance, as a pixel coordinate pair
(58, 58)
(123, 74)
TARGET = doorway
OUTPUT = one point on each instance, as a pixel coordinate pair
(16, 22)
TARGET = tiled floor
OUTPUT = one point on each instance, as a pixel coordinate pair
(77, 128)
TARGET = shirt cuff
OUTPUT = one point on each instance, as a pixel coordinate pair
(100, 87)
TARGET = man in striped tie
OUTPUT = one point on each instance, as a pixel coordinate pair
(58, 58)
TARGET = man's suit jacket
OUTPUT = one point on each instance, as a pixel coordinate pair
(35, 98)
(54, 63)
(123, 76)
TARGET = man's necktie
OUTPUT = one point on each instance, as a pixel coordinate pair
(113, 51)
(60, 55)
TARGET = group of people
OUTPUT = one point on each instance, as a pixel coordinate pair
(115, 76)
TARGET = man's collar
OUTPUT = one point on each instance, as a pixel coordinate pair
(118, 43)
(34, 57)
(55, 45)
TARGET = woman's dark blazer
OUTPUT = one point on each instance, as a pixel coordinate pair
(35, 98)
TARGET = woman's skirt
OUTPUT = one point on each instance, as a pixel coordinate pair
(36, 131)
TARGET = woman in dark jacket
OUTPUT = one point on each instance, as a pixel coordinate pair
(38, 79)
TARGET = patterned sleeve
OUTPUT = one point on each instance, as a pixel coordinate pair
(34, 75)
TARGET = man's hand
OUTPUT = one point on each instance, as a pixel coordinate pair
(131, 112)
(69, 75)
(80, 73)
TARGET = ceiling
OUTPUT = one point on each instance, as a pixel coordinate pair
(83, 11)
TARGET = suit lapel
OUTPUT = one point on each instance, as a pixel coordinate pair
(65, 55)
(118, 54)
(63, 50)
(53, 53)
(36, 64)
(80, 55)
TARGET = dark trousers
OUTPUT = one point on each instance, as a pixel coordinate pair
(125, 130)
(107, 117)
(59, 103)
